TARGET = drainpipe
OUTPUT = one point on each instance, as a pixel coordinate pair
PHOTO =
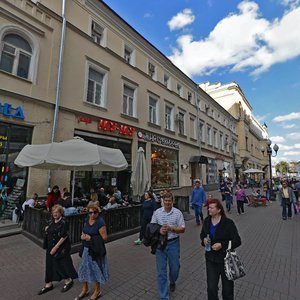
(59, 77)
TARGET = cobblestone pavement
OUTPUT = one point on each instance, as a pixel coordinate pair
(270, 251)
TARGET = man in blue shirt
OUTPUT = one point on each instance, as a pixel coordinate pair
(198, 199)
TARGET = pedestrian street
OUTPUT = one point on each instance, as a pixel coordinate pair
(270, 251)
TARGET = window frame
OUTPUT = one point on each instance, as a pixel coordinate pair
(104, 72)
(131, 59)
(181, 123)
(102, 41)
(151, 73)
(33, 43)
(170, 117)
(153, 113)
(134, 100)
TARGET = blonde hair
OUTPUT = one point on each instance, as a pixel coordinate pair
(59, 208)
(93, 207)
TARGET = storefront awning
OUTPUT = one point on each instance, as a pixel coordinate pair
(198, 159)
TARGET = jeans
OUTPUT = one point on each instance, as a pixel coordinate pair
(286, 209)
(170, 255)
(198, 213)
(228, 202)
(213, 272)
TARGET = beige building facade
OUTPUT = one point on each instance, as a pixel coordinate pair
(109, 86)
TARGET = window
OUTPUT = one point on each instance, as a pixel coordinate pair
(198, 103)
(128, 55)
(128, 100)
(189, 96)
(151, 70)
(16, 55)
(209, 137)
(167, 81)
(164, 167)
(227, 143)
(179, 89)
(201, 132)
(180, 118)
(192, 128)
(95, 90)
(169, 117)
(215, 139)
(97, 33)
(153, 110)
(222, 141)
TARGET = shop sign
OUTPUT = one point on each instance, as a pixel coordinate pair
(7, 110)
(115, 127)
(85, 120)
(3, 140)
(154, 138)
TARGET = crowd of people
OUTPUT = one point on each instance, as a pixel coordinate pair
(161, 226)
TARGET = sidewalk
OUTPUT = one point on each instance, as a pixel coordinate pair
(270, 251)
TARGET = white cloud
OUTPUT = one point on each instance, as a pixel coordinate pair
(294, 136)
(277, 139)
(292, 3)
(241, 40)
(181, 20)
(148, 15)
(291, 116)
(288, 126)
(292, 153)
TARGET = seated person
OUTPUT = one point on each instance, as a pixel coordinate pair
(66, 203)
(118, 195)
(254, 193)
(112, 203)
(126, 199)
(32, 202)
(258, 194)
(93, 197)
(102, 198)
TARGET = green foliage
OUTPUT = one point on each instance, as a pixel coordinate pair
(282, 167)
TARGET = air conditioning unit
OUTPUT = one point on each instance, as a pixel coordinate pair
(97, 28)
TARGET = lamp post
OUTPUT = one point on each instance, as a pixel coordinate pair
(270, 155)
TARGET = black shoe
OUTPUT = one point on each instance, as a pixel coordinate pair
(67, 286)
(45, 290)
(172, 287)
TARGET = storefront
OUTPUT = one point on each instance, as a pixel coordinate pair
(97, 179)
(211, 171)
(13, 138)
(164, 159)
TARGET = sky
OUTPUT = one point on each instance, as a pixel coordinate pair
(254, 43)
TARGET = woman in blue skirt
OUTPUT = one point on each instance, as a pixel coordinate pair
(93, 265)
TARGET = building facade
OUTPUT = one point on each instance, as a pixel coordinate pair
(76, 68)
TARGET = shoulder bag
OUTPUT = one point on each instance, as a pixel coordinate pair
(234, 268)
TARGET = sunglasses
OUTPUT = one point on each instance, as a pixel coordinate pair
(93, 212)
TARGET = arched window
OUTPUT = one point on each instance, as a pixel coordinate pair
(16, 55)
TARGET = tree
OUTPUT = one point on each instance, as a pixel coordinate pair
(282, 167)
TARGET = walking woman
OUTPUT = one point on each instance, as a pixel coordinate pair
(93, 265)
(240, 198)
(228, 195)
(149, 206)
(59, 263)
(217, 231)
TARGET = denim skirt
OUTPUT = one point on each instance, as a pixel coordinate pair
(91, 270)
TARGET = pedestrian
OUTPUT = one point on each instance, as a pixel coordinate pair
(198, 199)
(53, 197)
(93, 266)
(287, 198)
(215, 235)
(240, 199)
(172, 224)
(59, 263)
(148, 207)
(222, 189)
(228, 195)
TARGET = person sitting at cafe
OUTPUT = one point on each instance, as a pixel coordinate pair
(112, 203)
(53, 197)
(102, 197)
(66, 203)
(32, 202)
(93, 197)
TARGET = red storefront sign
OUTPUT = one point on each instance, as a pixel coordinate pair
(115, 127)
(85, 120)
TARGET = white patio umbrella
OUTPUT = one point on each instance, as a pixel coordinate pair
(74, 155)
(253, 171)
(140, 177)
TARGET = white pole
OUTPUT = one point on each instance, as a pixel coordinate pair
(73, 186)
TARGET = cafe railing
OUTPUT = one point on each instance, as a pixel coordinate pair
(120, 222)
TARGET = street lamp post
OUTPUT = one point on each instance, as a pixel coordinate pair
(270, 155)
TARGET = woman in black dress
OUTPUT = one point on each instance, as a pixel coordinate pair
(59, 263)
